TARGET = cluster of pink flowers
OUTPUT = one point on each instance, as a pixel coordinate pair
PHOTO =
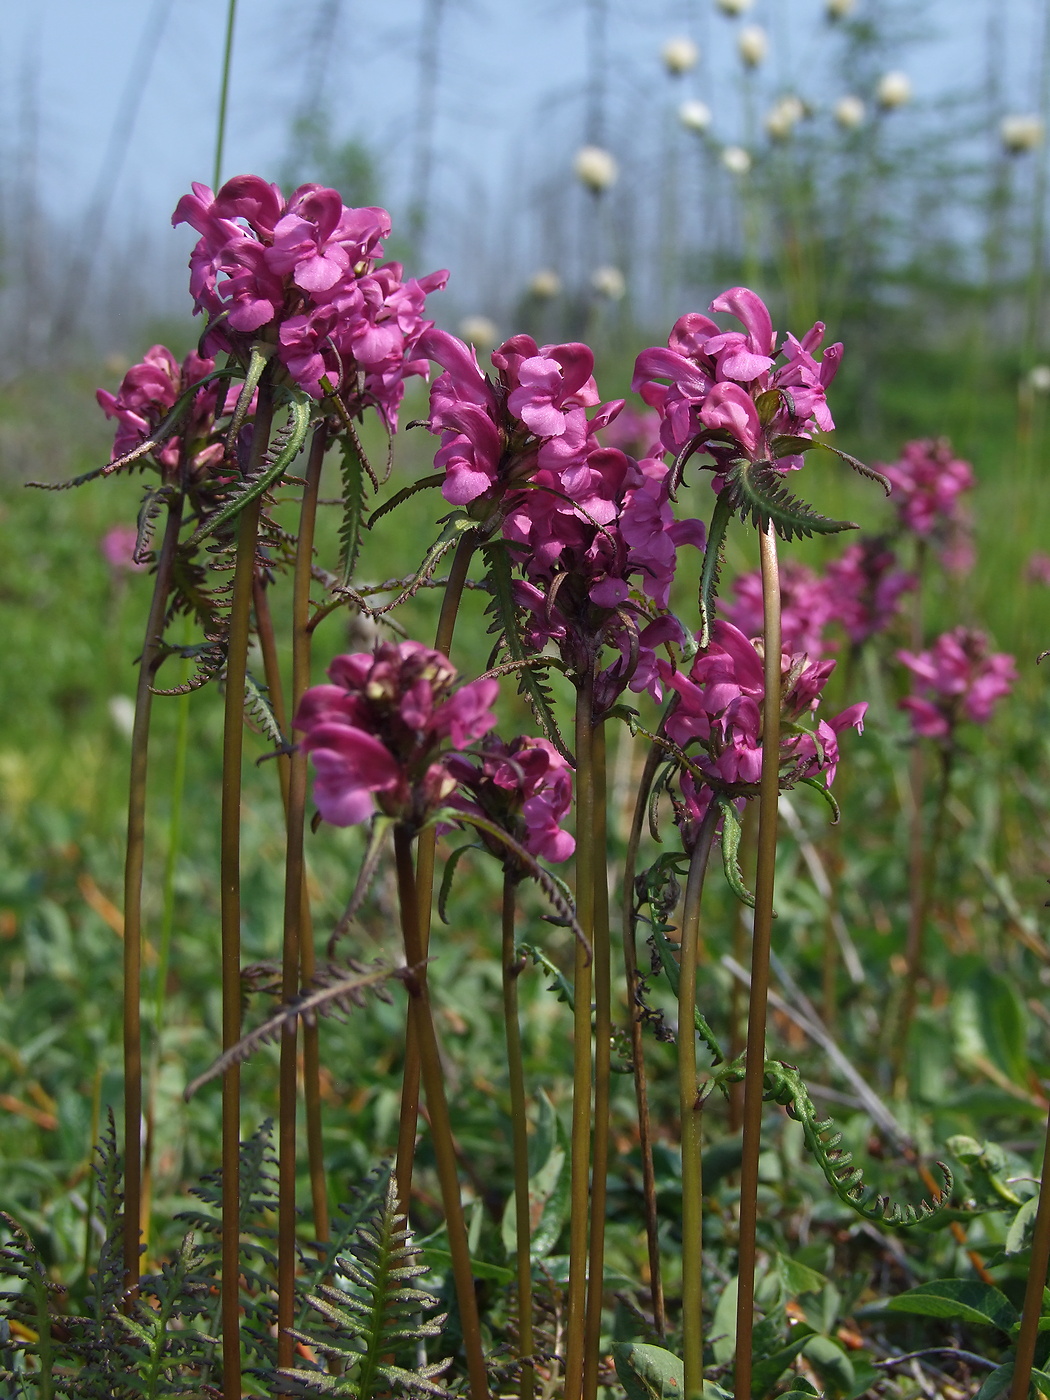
(958, 678)
(525, 788)
(147, 395)
(865, 587)
(377, 733)
(720, 712)
(807, 606)
(118, 546)
(716, 376)
(927, 482)
(306, 272)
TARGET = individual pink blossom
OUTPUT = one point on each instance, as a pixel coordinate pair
(307, 273)
(807, 606)
(957, 678)
(1038, 568)
(525, 788)
(634, 431)
(927, 481)
(865, 587)
(716, 376)
(118, 549)
(378, 733)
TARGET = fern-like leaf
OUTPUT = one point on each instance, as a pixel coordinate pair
(714, 554)
(732, 830)
(425, 483)
(352, 476)
(759, 492)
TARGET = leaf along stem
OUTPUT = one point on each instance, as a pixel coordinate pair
(690, 1108)
(769, 792)
(133, 870)
(230, 898)
(437, 1109)
(512, 969)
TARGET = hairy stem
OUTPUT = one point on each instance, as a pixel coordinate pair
(1033, 1294)
(437, 1110)
(133, 869)
(230, 900)
(690, 1108)
(641, 1089)
(296, 921)
(512, 968)
(769, 792)
(602, 1068)
(409, 1114)
(580, 1148)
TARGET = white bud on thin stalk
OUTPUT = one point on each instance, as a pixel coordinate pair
(595, 168)
(735, 7)
(840, 9)
(783, 117)
(609, 282)
(545, 284)
(1021, 133)
(736, 160)
(753, 44)
(850, 112)
(1039, 379)
(480, 332)
(893, 90)
(679, 55)
(694, 114)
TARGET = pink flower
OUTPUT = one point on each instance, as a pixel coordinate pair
(807, 604)
(864, 589)
(147, 394)
(118, 549)
(957, 678)
(525, 788)
(1038, 568)
(927, 482)
(377, 732)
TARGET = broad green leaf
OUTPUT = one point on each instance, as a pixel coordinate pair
(798, 1278)
(997, 1385)
(647, 1372)
(965, 1299)
(830, 1362)
(1019, 1235)
(723, 1324)
(441, 1259)
(767, 1371)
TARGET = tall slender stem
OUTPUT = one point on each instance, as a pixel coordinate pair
(133, 868)
(437, 1106)
(769, 792)
(580, 1144)
(512, 967)
(690, 1108)
(641, 1088)
(1033, 1294)
(602, 1069)
(296, 915)
(224, 91)
(230, 901)
(425, 852)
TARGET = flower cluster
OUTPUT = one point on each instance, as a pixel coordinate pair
(927, 482)
(377, 732)
(865, 587)
(148, 393)
(716, 377)
(306, 272)
(807, 606)
(720, 710)
(525, 788)
(959, 678)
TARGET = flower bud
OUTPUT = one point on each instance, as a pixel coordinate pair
(736, 160)
(545, 284)
(609, 282)
(849, 112)
(679, 54)
(595, 168)
(783, 117)
(893, 90)
(480, 332)
(694, 114)
(840, 9)
(735, 7)
(1021, 133)
(1039, 379)
(753, 43)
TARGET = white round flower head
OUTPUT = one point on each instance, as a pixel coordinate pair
(849, 112)
(753, 43)
(480, 332)
(1039, 379)
(840, 9)
(1021, 133)
(595, 168)
(893, 89)
(783, 117)
(736, 160)
(735, 7)
(679, 54)
(609, 282)
(545, 284)
(694, 114)
(122, 713)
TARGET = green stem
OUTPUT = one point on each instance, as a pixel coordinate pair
(512, 968)
(769, 792)
(224, 92)
(690, 1108)
(133, 870)
(408, 1118)
(641, 1089)
(230, 900)
(602, 1069)
(296, 914)
(437, 1106)
(580, 1145)
(1033, 1294)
